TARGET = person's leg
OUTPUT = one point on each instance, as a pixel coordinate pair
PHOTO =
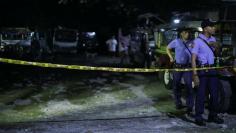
(213, 105)
(112, 54)
(127, 60)
(200, 95)
(122, 57)
(176, 88)
(213, 89)
(188, 83)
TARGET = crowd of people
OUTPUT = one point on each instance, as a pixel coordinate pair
(120, 47)
(130, 47)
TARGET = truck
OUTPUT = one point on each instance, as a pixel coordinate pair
(16, 42)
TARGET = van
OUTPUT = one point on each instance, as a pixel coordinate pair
(65, 40)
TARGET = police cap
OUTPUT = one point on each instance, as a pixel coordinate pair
(181, 29)
(208, 22)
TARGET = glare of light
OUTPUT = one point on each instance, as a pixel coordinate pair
(200, 29)
(91, 33)
(162, 30)
(176, 21)
(32, 33)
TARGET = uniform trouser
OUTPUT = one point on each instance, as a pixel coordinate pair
(187, 76)
(208, 80)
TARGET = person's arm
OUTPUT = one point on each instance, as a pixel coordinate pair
(170, 46)
(194, 64)
(195, 51)
(168, 51)
(216, 47)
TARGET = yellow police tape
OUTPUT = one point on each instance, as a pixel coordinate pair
(110, 69)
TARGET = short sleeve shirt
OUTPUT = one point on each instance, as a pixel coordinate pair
(182, 54)
(204, 54)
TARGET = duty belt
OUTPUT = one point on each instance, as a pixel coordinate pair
(177, 65)
(206, 65)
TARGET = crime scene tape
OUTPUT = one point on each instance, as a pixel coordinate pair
(110, 69)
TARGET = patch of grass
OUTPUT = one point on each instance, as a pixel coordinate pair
(163, 101)
(134, 81)
(156, 90)
(21, 114)
(165, 106)
(124, 95)
(74, 85)
(12, 95)
(48, 94)
(120, 92)
(80, 96)
(114, 88)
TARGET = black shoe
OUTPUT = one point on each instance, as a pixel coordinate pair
(190, 113)
(200, 122)
(215, 119)
(180, 106)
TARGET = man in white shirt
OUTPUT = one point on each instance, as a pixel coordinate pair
(112, 43)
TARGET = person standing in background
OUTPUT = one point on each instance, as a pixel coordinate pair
(124, 44)
(112, 44)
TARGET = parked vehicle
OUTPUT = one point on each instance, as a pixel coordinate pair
(87, 42)
(16, 42)
(65, 40)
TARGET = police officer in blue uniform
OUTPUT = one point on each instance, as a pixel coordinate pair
(203, 53)
(182, 47)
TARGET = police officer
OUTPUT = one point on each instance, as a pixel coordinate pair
(182, 59)
(203, 53)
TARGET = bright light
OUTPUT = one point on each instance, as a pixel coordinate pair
(31, 33)
(200, 29)
(91, 33)
(162, 30)
(176, 21)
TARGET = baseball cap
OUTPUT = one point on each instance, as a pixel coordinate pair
(207, 22)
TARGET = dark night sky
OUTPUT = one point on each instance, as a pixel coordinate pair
(92, 14)
(102, 16)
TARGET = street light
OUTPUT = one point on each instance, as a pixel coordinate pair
(162, 30)
(176, 21)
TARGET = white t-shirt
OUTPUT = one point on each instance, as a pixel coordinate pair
(112, 43)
